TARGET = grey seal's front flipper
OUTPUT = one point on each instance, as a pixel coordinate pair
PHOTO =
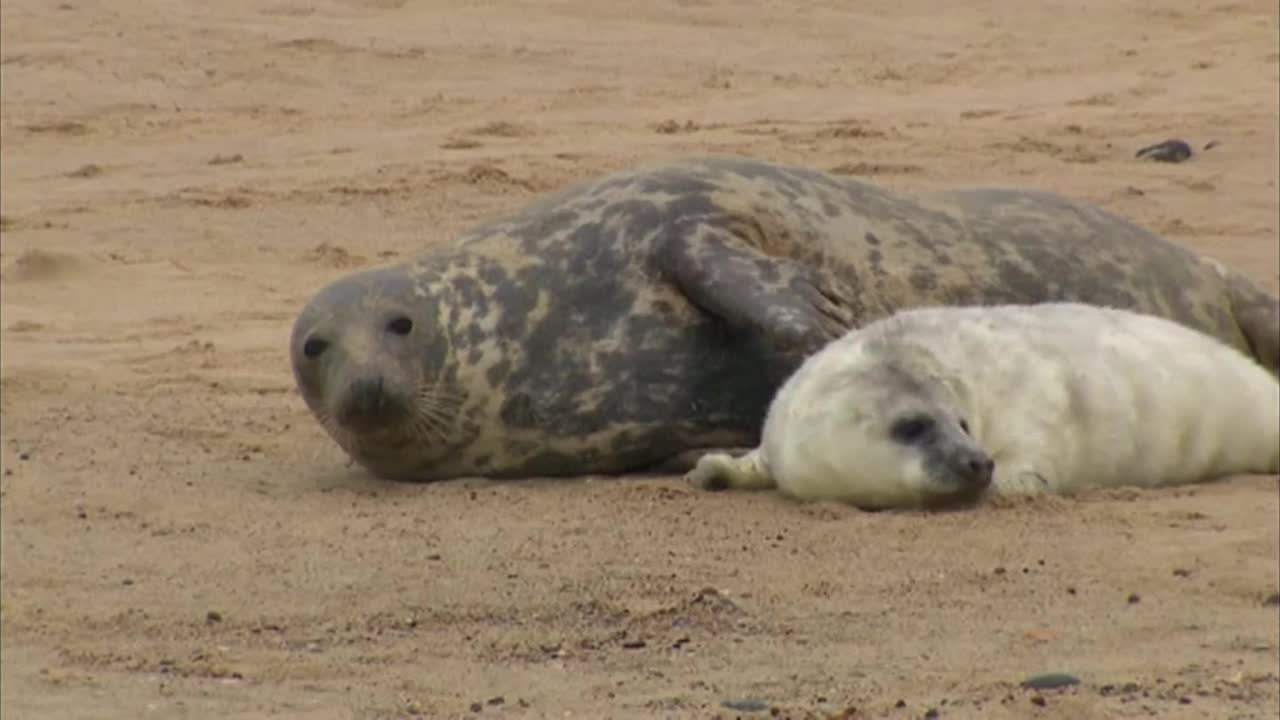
(1258, 315)
(790, 309)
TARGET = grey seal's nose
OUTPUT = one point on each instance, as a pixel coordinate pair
(366, 394)
(367, 405)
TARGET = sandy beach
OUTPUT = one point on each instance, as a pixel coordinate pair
(180, 540)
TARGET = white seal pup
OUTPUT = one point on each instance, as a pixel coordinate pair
(939, 406)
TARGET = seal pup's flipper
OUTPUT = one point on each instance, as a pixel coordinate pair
(721, 471)
(683, 462)
(782, 304)
(1018, 479)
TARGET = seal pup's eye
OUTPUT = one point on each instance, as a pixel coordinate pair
(400, 325)
(909, 430)
(313, 347)
(964, 425)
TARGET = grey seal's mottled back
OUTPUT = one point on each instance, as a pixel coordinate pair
(635, 320)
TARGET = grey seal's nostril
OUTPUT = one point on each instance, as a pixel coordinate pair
(400, 325)
(366, 395)
(314, 347)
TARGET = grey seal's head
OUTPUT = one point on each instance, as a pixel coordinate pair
(371, 358)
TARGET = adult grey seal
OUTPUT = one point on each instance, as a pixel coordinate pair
(633, 321)
(940, 407)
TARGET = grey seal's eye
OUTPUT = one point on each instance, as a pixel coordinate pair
(313, 347)
(964, 425)
(911, 429)
(400, 325)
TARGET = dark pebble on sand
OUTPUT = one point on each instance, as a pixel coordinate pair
(1171, 151)
(476, 707)
(1134, 598)
(24, 456)
(746, 705)
(633, 644)
(213, 616)
(1184, 700)
(1037, 700)
(1273, 599)
(931, 714)
(497, 700)
(900, 704)
(1050, 681)
(127, 581)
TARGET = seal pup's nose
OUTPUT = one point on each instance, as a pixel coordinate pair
(979, 469)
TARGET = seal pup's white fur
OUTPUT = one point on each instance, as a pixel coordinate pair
(1061, 396)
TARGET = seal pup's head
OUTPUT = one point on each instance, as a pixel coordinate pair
(370, 359)
(880, 434)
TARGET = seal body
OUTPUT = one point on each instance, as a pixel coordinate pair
(938, 407)
(643, 317)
